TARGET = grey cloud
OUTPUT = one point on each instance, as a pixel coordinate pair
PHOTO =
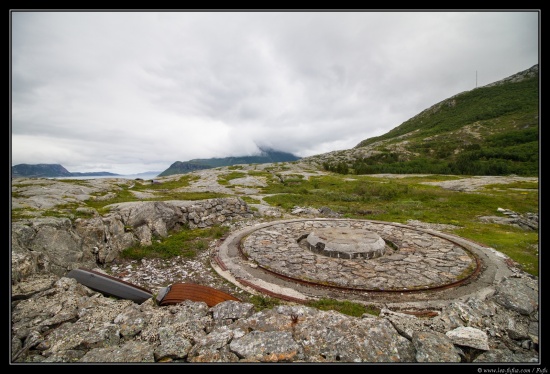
(98, 88)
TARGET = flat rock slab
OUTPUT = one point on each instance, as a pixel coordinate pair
(469, 337)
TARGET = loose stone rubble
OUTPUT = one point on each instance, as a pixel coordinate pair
(529, 221)
(67, 322)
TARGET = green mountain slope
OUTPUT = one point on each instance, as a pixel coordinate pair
(182, 167)
(491, 130)
(266, 156)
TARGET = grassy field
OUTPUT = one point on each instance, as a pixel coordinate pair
(409, 198)
(403, 199)
(352, 196)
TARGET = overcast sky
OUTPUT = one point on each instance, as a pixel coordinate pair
(129, 92)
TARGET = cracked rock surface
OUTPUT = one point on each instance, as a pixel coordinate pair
(55, 319)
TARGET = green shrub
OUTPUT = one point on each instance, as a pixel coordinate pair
(344, 307)
(262, 302)
(185, 243)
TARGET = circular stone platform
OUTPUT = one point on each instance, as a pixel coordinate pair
(376, 258)
(345, 242)
(420, 261)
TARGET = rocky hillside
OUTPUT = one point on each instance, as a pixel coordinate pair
(490, 130)
(58, 225)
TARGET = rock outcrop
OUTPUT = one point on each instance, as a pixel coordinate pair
(57, 245)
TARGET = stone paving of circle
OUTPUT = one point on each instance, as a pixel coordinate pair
(411, 259)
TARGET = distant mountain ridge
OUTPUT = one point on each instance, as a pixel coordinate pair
(51, 171)
(266, 156)
(178, 167)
